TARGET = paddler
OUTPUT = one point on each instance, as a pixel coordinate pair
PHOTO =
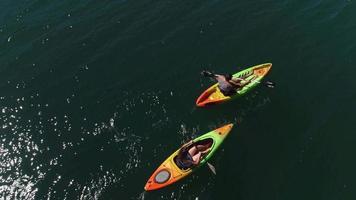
(227, 84)
(190, 154)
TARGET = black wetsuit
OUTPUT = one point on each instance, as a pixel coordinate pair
(186, 160)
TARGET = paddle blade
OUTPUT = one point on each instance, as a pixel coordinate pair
(207, 73)
(212, 168)
(270, 84)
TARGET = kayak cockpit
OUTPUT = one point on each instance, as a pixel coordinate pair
(202, 145)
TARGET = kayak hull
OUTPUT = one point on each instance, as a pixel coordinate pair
(172, 173)
(213, 95)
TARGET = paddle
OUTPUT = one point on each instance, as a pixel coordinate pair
(207, 74)
(211, 167)
(268, 84)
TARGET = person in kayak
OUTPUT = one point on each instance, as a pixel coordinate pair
(190, 155)
(227, 84)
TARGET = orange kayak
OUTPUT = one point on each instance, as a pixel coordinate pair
(213, 95)
(169, 172)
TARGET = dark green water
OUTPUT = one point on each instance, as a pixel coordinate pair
(94, 95)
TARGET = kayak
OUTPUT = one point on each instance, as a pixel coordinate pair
(213, 95)
(169, 172)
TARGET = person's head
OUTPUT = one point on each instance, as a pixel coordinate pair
(228, 77)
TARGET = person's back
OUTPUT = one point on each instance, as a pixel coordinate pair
(184, 160)
(225, 86)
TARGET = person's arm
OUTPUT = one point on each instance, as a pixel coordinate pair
(205, 151)
(234, 83)
(218, 77)
(196, 158)
(241, 82)
(238, 79)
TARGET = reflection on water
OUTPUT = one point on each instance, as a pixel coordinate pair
(36, 145)
(142, 195)
(19, 168)
(95, 94)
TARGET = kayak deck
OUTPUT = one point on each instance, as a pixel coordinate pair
(213, 95)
